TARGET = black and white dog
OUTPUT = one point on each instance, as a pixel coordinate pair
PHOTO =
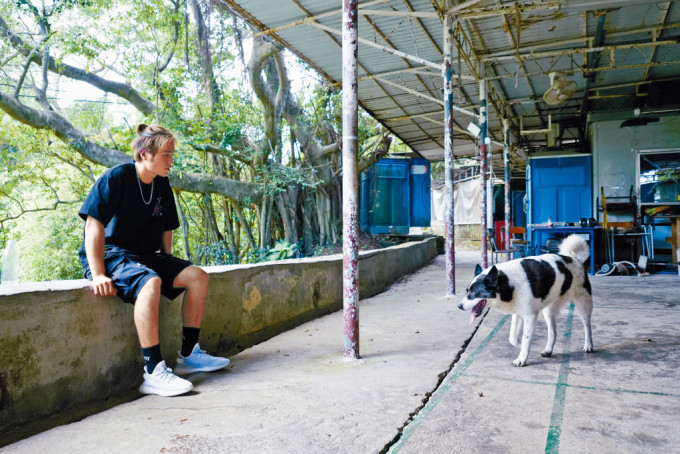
(524, 287)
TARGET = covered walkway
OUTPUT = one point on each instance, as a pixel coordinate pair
(426, 383)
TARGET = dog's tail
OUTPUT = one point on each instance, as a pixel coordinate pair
(575, 246)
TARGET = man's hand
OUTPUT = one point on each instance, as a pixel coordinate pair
(94, 248)
(103, 285)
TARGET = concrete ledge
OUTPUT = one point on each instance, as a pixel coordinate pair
(65, 354)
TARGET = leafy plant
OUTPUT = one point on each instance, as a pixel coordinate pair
(282, 250)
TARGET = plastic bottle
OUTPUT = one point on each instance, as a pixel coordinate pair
(10, 263)
(550, 224)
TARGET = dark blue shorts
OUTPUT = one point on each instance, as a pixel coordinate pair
(129, 272)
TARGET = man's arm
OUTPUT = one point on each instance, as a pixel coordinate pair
(94, 249)
(166, 243)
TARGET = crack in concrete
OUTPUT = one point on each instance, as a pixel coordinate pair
(441, 377)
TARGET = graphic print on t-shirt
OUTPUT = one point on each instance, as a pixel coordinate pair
(158, 209)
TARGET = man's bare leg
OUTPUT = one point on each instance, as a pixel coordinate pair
(195, 280)
(147, 313)
(191, 358)
(157, 380)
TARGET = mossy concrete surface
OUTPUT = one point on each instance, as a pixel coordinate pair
(65, 353)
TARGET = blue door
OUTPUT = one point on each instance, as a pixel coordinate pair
(560, 189)
(420, 193)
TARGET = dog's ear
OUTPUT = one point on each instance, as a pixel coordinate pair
(491, 279)
(478, 269)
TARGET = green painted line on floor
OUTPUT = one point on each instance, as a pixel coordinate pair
(511, 380)
(625, 391)
(441, 391)
(587, 388)
(553, 443)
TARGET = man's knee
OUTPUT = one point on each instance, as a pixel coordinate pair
(152, 286)
(201, 278)
(192, 277)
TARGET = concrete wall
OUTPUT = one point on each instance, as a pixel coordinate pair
(65, 354)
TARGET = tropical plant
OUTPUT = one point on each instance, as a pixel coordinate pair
(282, 250)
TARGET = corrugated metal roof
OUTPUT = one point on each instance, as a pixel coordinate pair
(621, 54)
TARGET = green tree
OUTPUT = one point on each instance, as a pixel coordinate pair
(257, 163)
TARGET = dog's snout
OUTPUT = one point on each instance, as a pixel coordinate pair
(460, 306)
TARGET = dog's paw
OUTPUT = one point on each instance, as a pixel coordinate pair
(588, 349)
(546, 353)
(518, 363)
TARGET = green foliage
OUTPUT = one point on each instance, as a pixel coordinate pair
(49, 243)
(215, 254)
(282, 250)
(90, 117)
(280, 178)
(129, 40)
(35, 177)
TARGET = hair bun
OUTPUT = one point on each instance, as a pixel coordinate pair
(141, 128)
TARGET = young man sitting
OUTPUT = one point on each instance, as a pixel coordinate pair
(129, 217)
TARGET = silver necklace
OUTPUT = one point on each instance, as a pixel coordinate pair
(139, 182)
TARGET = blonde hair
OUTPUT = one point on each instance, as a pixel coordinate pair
(151, 138)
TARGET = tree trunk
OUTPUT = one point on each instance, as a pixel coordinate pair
(245, 227)
(308, 227)
(264, 215)
(230, 231)
(287, 204)
(185, 226)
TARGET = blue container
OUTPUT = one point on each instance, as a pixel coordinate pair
(559, 189)
(420, 193)
(518, 214)
(395, 195)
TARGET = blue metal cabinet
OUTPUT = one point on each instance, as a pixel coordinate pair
(395, 195)
(420, 193)
(559, 188)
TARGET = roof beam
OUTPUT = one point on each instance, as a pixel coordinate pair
(462, 6)
(420, 70)
(421, 95)
(583, 50)
(571, 6)
(387, 41)
(657, 33)
(389, 50)
(602, 68)
(491, 11)
(388, 13)
(314, 18)
(410, 91)
(425, 30)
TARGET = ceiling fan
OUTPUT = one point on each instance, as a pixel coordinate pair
(560, 89)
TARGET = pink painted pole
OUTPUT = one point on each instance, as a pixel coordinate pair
(482, 168)
(350, 186)
(450, 244)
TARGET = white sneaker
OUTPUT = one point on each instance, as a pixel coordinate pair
(199, 361)
(163, 382)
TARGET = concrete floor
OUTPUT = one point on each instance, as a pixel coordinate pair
(427, 383)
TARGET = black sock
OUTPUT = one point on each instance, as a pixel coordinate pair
(189, 339)
(152, 356)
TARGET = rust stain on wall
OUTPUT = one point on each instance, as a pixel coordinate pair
(253, 299)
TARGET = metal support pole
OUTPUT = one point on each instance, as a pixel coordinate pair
(506, 168)
(350, 187)
(482, 167)
(448, 158)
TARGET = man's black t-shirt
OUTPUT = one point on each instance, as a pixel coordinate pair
(130, 224)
